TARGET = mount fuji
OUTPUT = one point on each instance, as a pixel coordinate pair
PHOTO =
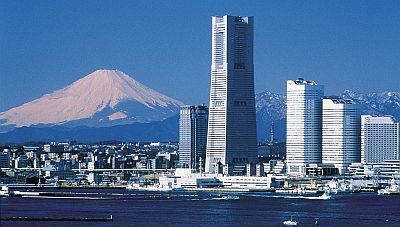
(101, 99)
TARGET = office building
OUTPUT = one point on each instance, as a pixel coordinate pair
(304, 125)
(340, 133)
(21, 162)
(5, 158)
(232, 139)
(193, 136)
(53, 148)
(379, 139)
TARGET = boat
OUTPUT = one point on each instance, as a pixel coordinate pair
(7, 192)
(324, 196)
(228, 197)
(135, 186)
(4, 192)
(336, 186)
(290, 222)
(393, 189)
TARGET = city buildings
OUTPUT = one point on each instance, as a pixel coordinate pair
(5, 158)
(193, 136)
(21, 162)
(82, 164)
(379, 139)
(231, 139)
(340, 133)
(304, 125)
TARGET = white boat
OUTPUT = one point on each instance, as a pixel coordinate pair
(228, 197)
(393, 189)
(135, 186)
(290, 222)
(4, 191)
(340, 186)
(324, 196)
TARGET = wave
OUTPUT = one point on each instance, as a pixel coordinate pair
(225, 197)
(290, 197)
(63, 197)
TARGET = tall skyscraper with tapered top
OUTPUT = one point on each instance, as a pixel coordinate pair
(231, 138)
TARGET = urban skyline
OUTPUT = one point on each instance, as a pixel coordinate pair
(337, 157)
(328, 135)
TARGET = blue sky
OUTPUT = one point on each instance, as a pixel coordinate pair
(166, 45)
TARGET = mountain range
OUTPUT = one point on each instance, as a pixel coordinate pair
(271, 107)
(110, 105)
(102, 98)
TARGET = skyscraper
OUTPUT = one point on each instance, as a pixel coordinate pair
(380, 139)
(231, 139)
(304, 125)
(193, 135)
(340, 133)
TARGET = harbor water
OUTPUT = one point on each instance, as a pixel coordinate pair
(190, 208)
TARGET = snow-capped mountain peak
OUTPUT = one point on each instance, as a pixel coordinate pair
(97, 99)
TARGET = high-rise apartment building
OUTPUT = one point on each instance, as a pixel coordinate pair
(379, 139)
(232, 139)
(304, 125)
(193, 136)
(340, 133)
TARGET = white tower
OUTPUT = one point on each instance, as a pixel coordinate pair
(340, 133)
(231, 138)
(304, 125)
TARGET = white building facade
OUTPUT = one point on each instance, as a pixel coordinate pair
(231, 137)
(340, 133)
(379, 139)
(304, 125)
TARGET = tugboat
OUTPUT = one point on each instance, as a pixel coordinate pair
(290, 222)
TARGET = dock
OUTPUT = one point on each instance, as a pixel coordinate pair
(82, 219)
